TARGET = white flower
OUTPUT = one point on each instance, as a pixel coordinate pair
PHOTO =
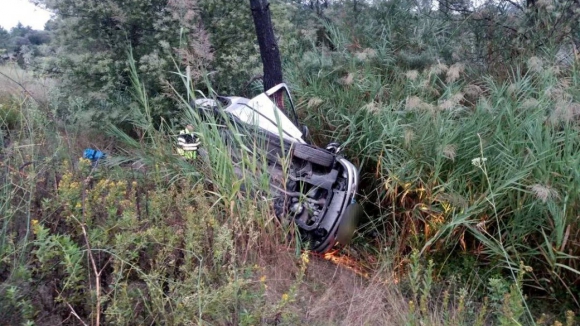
(543, 192)
(450, 151)
(478, 161)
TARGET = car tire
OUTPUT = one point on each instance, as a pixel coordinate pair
(313, 155)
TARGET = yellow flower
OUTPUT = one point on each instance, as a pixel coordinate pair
(263, 279)
(285, 297)
(34, 226)
(305, 258)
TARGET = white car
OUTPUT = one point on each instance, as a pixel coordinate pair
(317, 189)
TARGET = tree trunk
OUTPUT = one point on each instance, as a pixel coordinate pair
(269, 50)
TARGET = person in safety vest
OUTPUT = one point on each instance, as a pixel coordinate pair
(188, 143)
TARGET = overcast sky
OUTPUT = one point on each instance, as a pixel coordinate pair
(14, 11)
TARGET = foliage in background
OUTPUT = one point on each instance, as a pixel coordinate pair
(210, 37)
(233, 40)
(22, 44)
(89, 53)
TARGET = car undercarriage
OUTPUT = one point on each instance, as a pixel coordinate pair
(314, 188)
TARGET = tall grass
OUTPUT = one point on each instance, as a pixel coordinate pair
(458, 164)
(25, 157)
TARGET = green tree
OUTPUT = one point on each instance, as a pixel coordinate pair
(233, 41)
(20, 30)
(91, 40)
(233, 38)
(4, 40)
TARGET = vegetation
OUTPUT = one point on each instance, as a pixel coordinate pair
(463, 120)
(22, 44)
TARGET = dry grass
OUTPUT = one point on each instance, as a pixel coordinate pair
(348, 299)
(15, 81)
(331, 294)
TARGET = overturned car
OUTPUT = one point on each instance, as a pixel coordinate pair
(315, 188)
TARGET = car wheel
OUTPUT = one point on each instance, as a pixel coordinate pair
(313, 154)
